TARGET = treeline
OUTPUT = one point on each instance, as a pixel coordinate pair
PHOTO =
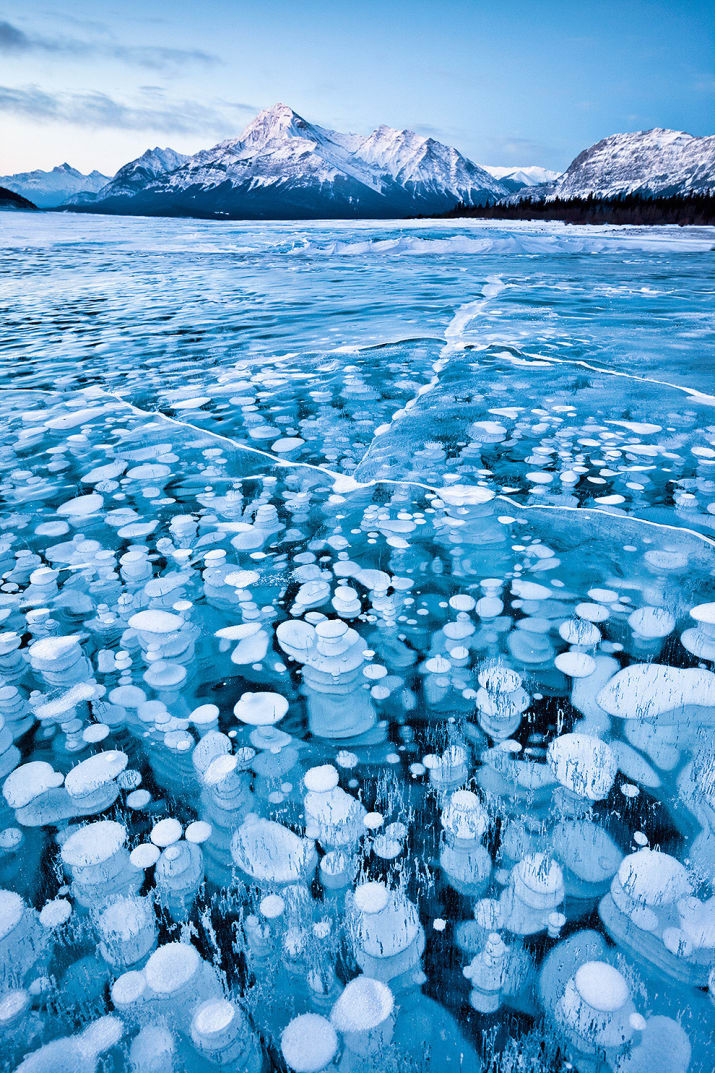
(626, 209)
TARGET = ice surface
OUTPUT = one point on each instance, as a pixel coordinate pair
(356, 647)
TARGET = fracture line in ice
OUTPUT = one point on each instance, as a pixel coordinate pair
(453, 333)
(344, 483)
(609, 514)
(543, 359)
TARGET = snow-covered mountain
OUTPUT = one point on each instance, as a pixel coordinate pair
(533, 175)
(152, 165)
(47, 189)
(133, 177)
(426, 166)
(282, 166)
(649, 162)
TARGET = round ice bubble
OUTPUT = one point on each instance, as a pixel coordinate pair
(653, 878)
(371, 897)
(166, 832)
(601, 986)
(651, 622)
(156, 621)
(12, 909)
(309, 1043)
(145, 855)
(364, 1004)
(93, 844)
(91, 774)
(583, 764)
(261, 709)
(28, 781)
(321, 779)
(171, 967)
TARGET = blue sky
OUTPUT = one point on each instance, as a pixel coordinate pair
(514, 82)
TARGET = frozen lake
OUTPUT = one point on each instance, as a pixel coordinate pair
(357, 622)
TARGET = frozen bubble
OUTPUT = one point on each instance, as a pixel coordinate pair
(364, 1004)
(592, 612)
(287, 444)
(190, 404)
(166, 832)
(94, 772)
(13, 1006)
(95, 733)
(55, 913)
(128, 989)
(704, 613)
(651, 622)
(270, 852)
(156, 622)
(261, 709)
(583, 764)
(82, 506)
(272, 906)
(601, 986)
(321, 779)
(145, 856)
(93, 844)
(575, 664)
(28, 781)
(171, 967)
(197, 832)
(205, 715)
(580, 632)
(371, 897)
(649, 690)
(309, 1043)
(653, 878)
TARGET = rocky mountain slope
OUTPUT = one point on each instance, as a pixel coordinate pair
(12, 201)
(649, 162)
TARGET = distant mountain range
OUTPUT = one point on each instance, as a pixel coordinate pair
(283, 167)
(518, 178)
(48, 189)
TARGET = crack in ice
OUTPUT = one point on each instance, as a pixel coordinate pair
(344, 483)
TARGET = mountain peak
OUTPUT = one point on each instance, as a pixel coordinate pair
(275, 123)
(159, 160)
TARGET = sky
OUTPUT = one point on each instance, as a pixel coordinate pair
(512, 83)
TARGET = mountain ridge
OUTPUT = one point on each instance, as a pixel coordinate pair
(655, 162)
(282, 166)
